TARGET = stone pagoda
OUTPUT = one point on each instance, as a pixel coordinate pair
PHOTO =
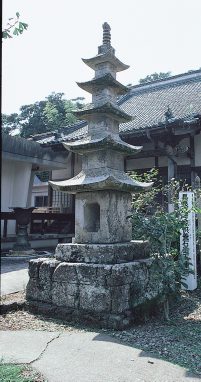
(103, 275)
(103, 190)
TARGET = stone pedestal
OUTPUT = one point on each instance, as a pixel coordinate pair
(103, 253)
(107, 295)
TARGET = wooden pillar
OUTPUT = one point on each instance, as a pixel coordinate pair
(192, 160)
(50, 192)
(156, 157)
(72, 175)
(171, 174)
(31, 181)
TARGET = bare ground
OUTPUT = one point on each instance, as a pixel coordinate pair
(177, 340)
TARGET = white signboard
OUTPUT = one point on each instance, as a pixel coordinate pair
(188, 239)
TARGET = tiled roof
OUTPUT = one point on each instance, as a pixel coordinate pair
(68, 133)
(148, 103)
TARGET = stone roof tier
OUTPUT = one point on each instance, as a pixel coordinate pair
(105, 81)
(102, 142)
(103, 58)
(100, 179)
(106, 109)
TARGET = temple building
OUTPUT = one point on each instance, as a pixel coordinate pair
(166, 123)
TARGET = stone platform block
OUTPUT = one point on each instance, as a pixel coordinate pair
(39, 286)
(105, 294)
(103, 253)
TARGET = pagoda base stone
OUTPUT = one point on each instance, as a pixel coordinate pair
(105, 295)
(103, 253)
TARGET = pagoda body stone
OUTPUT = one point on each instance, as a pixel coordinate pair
(103, 275)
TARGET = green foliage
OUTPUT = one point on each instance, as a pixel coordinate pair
(13, 373)
(9, 122)
(14, 27)
(51, 114)
(151, 221)
(154, 76)
(58, 112)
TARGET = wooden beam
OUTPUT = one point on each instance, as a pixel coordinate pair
(148, 154)
(192, 160)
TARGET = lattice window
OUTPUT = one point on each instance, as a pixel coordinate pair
(184, 174)
(60, 199)
(41, 201)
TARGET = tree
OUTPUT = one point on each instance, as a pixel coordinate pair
(14, 27)
(51, 114)
(58, 112)
(9, 122)
(31, 119)
(155, 76)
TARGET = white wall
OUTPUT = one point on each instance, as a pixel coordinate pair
(39, 190)
(14, 186)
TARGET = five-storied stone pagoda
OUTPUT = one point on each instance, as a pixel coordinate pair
(103, 275)
(102, 188)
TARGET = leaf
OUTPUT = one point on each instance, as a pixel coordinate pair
(17, 14)
(6, 35)
(16, 31)
(25, 26)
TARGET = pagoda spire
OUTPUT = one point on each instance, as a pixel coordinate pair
(106, 46)
(106, 34)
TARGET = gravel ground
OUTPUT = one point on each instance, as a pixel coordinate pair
(177, 340)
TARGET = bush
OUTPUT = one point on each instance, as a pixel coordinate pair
(152, 221)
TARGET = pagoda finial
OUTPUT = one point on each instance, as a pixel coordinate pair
(106, 34)
(106, 46)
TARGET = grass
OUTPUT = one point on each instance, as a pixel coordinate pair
(18, 373)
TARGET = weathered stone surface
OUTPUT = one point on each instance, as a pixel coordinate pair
(47, 269)
(39, 291)
(94, 274)
(109, 293)
(95, 298)
(111, 225)
(39, 286)
(65, 294)
(103, 253)
(123, 274)
(66, 273)
(34, 266)
(120, 298)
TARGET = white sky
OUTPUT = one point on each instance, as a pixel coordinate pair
(149, 35)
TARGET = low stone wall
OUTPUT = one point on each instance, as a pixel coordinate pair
(107, 295)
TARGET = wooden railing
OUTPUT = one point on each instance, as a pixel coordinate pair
(42, 222)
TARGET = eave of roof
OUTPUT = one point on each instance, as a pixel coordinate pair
(188, 81)
(105, 57)
(104, 81)
(107, 108)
